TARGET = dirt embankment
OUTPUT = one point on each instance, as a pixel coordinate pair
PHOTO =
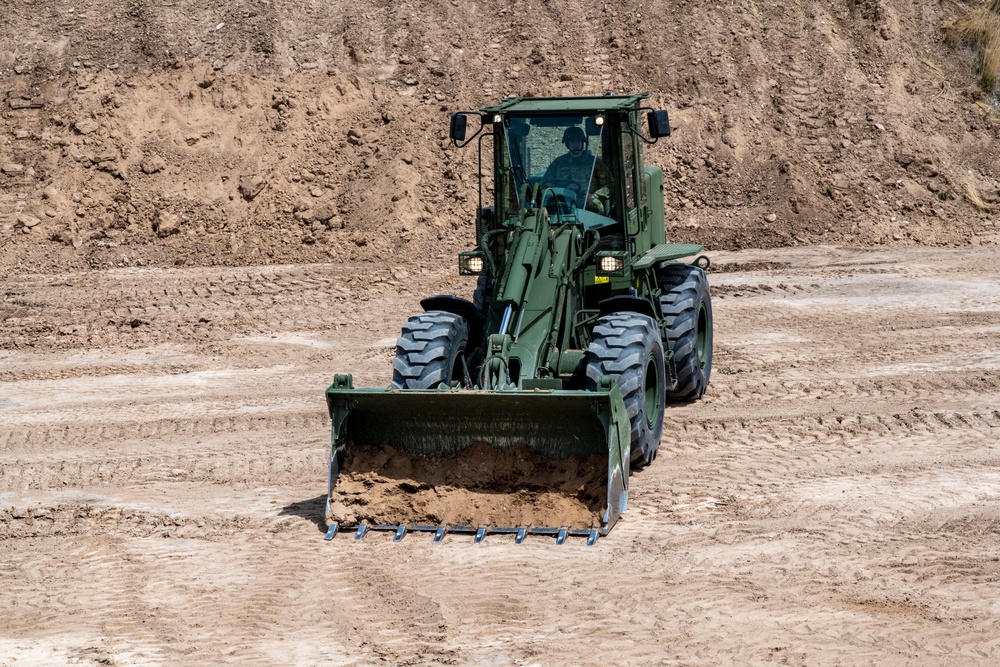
(140, 133)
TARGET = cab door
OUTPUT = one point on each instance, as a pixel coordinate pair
(630, 183)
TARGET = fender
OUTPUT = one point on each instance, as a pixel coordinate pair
(461, 307)
(627, 303)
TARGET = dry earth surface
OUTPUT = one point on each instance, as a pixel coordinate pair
(207, 209)
(835, 499)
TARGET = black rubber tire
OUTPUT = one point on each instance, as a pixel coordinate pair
(627, 347)
(481, 297)
(687, 306)
(427, 352)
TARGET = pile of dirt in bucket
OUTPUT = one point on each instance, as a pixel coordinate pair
(478, 486)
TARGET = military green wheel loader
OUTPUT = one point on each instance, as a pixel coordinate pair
(523, 409)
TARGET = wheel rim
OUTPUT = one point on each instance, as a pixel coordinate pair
(701, 338)
(651, 392)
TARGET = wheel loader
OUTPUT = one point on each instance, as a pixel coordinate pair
(523, 409)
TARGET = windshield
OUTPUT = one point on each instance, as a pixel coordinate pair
(567, 155)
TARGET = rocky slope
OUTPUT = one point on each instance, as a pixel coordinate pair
(135, 133)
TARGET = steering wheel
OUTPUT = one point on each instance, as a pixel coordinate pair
(564, 183)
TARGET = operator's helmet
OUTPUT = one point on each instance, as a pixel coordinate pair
(574, 133)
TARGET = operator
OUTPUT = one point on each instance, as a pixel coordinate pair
(573, 170)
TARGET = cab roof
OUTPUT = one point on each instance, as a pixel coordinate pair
(573, 105)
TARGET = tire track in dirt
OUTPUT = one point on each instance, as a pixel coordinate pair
(484, 616)
(68, 518)
(818, 507)
(262, 599)
(311, 425)
(726, 465)
(685, 434)
(780, 466)
(394, 619)
(478, 620)
(103, 591)
(789, 474)
(730, 388)
(151, 588)
(233, 392)
(254, 466)
(741, 573)
(122, 308)
(180, 366)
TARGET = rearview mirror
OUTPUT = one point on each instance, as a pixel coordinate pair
(659, 124)
(459, 125)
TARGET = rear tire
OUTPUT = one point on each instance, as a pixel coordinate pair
(687, 306)
(627, 347)
(428, 351)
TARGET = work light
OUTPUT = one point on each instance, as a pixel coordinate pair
(471, 263)
(610, 263)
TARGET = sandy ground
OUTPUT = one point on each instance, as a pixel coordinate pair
(834, 500)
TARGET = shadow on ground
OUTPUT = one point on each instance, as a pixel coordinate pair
(311, 509)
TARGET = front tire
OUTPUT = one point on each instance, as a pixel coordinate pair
(687, 306)
(428, 351)
(627, 348)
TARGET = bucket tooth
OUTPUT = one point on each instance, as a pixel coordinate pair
(478, 534)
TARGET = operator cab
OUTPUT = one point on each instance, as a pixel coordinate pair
(577, 159)
(571, 161)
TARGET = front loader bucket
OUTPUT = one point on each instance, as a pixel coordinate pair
(522, 462)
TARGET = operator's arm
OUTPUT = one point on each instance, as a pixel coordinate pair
(600, 186)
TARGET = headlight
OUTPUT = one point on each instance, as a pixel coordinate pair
(610, 263)
(471, 263)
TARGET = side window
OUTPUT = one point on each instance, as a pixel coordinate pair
(628, 162)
